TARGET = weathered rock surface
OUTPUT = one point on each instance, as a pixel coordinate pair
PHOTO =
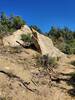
(16, 36)
(45, 45)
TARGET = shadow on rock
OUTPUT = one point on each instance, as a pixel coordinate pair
(71, 82)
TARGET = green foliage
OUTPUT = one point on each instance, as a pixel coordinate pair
(46, 61)
(65, 33)
(9, 24)
(54, 32)
(36, 28)
(18, 22)
(26, 38)
(3, 30)
(64, 39)
(4, 19)
(67, 49)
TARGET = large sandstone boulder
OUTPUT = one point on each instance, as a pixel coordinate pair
(16, 36)
(45, 45)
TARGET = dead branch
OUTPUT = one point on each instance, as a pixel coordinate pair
(22, 46)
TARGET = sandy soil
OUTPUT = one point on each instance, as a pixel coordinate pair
(22, 79)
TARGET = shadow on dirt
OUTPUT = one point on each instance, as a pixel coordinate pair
(71, 82)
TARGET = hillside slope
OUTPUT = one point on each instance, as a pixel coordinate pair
(22, 79)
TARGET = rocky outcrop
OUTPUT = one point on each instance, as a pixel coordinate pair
(16, 36)
(45, 45)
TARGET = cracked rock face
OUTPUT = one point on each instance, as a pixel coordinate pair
(43, 44)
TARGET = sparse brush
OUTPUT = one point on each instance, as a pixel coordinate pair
(26, 38)
(46, 61)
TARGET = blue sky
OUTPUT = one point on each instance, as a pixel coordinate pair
(43, 13)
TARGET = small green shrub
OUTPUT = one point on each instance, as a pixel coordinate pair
(67, 49)
(46, 61)
(26, 38)
(18, 22)
(9, 24)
